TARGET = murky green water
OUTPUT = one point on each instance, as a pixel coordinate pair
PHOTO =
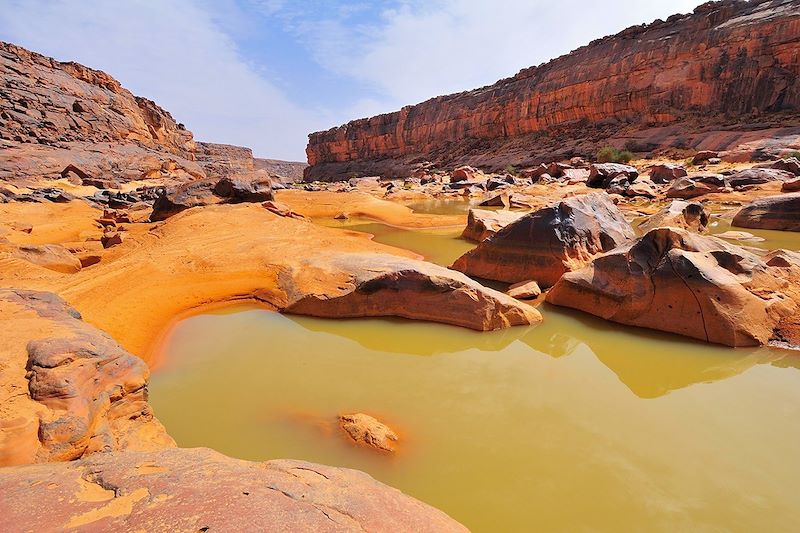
(577, 424)
(574, 425)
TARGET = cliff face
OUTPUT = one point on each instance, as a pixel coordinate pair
(730, 63)
(48, 102)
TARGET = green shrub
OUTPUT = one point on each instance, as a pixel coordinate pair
(794, 154)
(511, 169)
(609, 154)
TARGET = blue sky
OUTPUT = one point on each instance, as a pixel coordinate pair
(265, 73)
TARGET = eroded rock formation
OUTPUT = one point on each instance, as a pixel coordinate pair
(679, 214)
(542, 245)
(677, 281)
(774, 212)
(723, 78)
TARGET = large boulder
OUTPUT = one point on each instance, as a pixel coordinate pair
(666, 173)
(202, 490)
(68, 389)
(677, 281)
(544, 244)
(773, 212)
(482, 223)
(602, 174)
(253, 187)
(679, 214)
(757, 176)
(696, 185)
(173, 200)
(790, 164)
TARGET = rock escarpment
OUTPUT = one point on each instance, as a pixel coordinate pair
(180, 490)
(726, 76)
(542, 245)
(702, 287)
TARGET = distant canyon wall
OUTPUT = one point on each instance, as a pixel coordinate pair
(730, 66)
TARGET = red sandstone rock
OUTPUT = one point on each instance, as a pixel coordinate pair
(666, 173)
(728, 60)
(696, 185)
(677, 281)
(202, 490)
(525, 290)
(791, 185)
(774, 212)
(679, 214)
(482, 224)
(546, 243)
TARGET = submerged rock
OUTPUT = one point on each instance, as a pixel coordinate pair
(546, 243)
(774, 212)
(677, 281)
(202, 490)
(679, 214)
(367, 430)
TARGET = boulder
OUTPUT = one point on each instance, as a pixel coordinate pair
(255, 187)
(576, 175)
(679, 214)
(112, 238)
(696, 185)
(674, 280)
(464, 173)
(368, 431)
(557, 170)
(482, 224)
(643, 187)
(172, 200)
(757, 176)
(773, 212)
(202, 490)
(791, 164)
(601, 174)
(524, 290)
(666, 173)
(546, 243)
(792, 185)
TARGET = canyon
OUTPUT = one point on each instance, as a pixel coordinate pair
(484, 231)
(725, 78)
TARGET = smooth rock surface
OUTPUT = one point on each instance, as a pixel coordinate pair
(679, 214)
(482, 223)
(773, 212)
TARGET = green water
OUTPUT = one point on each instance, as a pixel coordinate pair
(577, 424)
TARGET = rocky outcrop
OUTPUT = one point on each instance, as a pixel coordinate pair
(482, 223)
(774, 212)
(368, 431)
(677, 281)
(180, 490)
(282, 171)
(224, 159)
(67, 389)
(667, 84)
(679, 214)
(545, 244)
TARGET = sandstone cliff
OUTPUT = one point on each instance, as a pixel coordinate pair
(724, 77)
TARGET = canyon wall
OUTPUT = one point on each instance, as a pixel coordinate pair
(724, 76)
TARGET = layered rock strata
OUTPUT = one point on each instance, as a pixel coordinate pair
(724, 78)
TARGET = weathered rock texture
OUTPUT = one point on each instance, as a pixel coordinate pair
(702, 287)
(542, 245)
(679, 214)
(482, 223)
(774, 212)
(66, 388)
(718, 78)
(368, 431)
(181, 490)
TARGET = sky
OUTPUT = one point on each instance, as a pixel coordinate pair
(266, 73)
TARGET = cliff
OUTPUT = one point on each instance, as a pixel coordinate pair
(710, 78)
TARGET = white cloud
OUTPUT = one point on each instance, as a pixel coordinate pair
(171, 52)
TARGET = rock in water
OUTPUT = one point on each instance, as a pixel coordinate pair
(482, 223)
(201, 490)
(679, 214)
(367, 430)
(546, 243)
(525, 290)
(677, 281)
(774, 212)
